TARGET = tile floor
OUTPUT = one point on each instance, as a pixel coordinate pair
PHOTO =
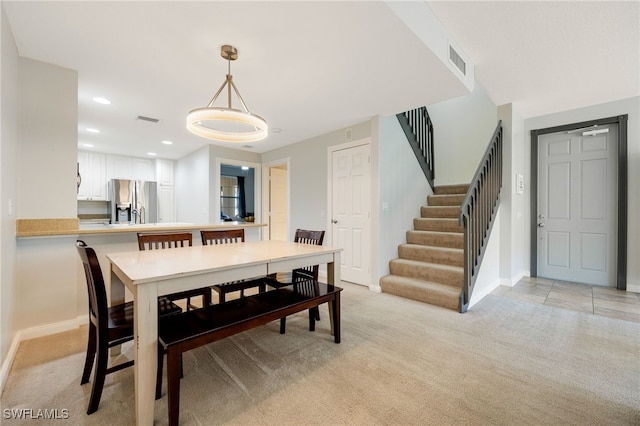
(596, 300)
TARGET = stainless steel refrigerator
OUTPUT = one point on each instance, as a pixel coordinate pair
(133, 201)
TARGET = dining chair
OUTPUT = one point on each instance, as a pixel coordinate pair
(231, 236)
(109, 326)
(281, 279)
(158, 241)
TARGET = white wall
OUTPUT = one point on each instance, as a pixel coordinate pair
(8, 183)
(192, 182)
(403, 189)
(48, 131)
(513, 254)
(630, 106)
(462, 128)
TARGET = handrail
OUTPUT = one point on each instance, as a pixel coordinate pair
(478, 210)
(418, 128)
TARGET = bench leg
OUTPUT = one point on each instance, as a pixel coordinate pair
(334, 306)
(283, 325)
(173, 378)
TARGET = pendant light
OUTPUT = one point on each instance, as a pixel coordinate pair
(227, 124)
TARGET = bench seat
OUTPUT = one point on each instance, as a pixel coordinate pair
(189, 330)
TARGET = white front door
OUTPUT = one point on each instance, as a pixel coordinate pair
(278, 204)
(577, 206)
(351, 197)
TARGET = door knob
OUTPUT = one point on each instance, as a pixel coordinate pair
(334, 221)
(541, 225)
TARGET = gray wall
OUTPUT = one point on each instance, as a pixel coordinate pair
(403, 189)
(462, 128)
(308, 176)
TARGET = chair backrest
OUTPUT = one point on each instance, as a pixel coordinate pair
(163, 241)
(95, 284)
(305, 236)
(226, 236)
(309, 237)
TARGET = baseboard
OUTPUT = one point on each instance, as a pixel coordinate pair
(510, 282)
(375, 288)
(32, 333)
(477, 297)
(8, 361)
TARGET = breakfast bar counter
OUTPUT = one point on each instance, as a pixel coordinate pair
(72, 226)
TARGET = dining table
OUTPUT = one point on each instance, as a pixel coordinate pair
(150, 274)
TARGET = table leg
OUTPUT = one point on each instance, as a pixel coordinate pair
(145, 300)
(333, 277)
(117, 296)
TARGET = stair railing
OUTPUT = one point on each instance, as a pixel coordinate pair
(418, 128)
(478, 211)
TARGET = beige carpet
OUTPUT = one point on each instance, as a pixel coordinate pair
(401, 362)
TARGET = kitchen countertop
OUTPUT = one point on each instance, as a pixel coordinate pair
(72, 226)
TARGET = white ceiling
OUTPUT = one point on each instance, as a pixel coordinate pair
(313, 67)
(549, 56)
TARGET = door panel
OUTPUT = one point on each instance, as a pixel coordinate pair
(577, 207)
(278, 204)
(350, 211)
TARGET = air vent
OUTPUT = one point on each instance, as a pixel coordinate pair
(149, 119)
(457, 60)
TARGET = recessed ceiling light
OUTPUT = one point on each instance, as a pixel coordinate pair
(103, 101)
(167, 142)
(153, 154)
(91, 130)
(276, 130)
(87, 145)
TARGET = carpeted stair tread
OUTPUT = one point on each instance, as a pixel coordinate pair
(436, 238)
(451, 212)
(451, 189)
(437, 224)
(430, 254)
(423, 291)
(445, 200)
(445, 274)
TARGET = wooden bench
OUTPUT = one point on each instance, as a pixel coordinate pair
(199, 327)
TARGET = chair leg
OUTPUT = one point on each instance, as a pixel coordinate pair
(206, 298)
(283, 324)
(173, 379)
(101, 372)
(159, 373)
(317, 313)
(312, 319)
(91, 354)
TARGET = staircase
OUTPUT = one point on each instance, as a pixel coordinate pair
(431, 264)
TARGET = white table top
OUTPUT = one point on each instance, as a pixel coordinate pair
(154, 265)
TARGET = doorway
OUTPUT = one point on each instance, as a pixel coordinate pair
(278, 219)
(578, 202)
(350, 208)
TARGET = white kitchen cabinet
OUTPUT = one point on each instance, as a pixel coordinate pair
(93, 175)
(164, 172)
(166, 204)
(142, 169)
(118, 167)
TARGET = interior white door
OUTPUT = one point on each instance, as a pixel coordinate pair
(278, 204)
(577, 206)
(351, 211)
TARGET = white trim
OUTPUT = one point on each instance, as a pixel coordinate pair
(257, 193)
(32, 333)
(477, 297)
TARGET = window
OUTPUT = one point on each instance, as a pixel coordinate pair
(229, 197)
